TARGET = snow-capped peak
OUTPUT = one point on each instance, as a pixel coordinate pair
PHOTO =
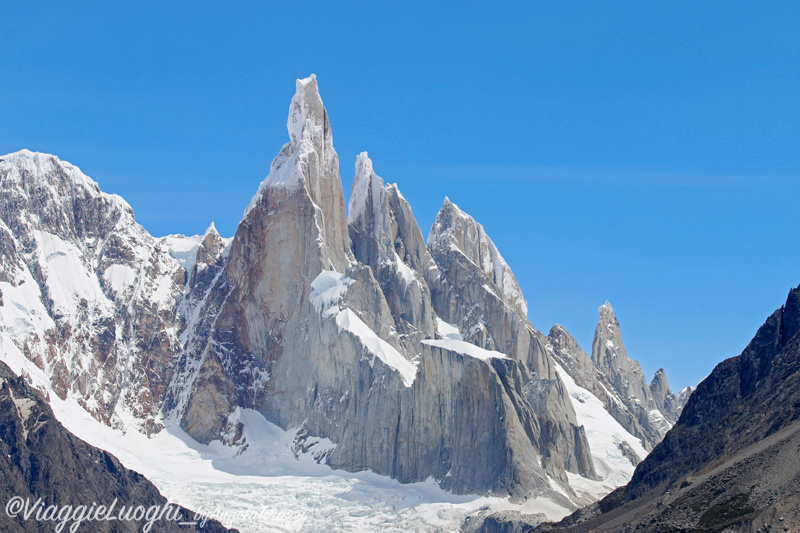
(365, 181)
(27, 167)
(455, 230)
(306, 113)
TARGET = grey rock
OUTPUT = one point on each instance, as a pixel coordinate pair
(625, 375)
(477, 291)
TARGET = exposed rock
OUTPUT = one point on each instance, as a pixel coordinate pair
(683, 397)
(730, 462)
(652, 417)
(415, 361)
(385, 236)
(478, 293)
(94, 296)
(665, 400)
(294, 328)
(41, 459)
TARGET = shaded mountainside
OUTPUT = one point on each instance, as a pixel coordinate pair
(41, 459)
(731, 461)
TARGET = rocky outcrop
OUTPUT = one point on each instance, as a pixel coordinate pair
(385, 236)
(664, 399)
(89, 295)
(729, 463)
(41, 459)
(478, 293)
(683, 397)
(567, 353)
(314, 336)
(652, 416)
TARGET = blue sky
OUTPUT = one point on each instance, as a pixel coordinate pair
(645, 153)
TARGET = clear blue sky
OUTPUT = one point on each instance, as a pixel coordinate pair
(645, 153)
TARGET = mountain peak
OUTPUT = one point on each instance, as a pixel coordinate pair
(366, 185)
(455, 229)
(606, 311)
(659, 382)
(307, 115)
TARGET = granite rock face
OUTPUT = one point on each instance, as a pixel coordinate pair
(653, 414)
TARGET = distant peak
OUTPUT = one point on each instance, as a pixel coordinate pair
(363, 165)
(365, 180)
(606, 312)
(306, 81)
(212, 229)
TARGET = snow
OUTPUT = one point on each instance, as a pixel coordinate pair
(605, 435)
(489, 259)
(404, 271)
(327, 291)
(465, 348)
(183, 248)
(120, 277)
(658, 421)
(448, 331)
(68, 280)
(23, 312)
(269, 486)
(349, 321)
(364, 180)
(286, 170)
(297, 121)
(38, 164)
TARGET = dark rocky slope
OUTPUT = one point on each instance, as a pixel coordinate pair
(731, 461)
(41, 459)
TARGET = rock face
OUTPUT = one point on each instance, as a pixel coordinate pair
(414, 360)
(683, 397)
(653, 408)
(41, 459)
(730, 462)
(89, 295)
(478, 293)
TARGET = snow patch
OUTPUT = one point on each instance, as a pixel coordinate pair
(327, 291)
(349, 321)
(448, 331)
(120, 278)
(404, 271)
(465, 348)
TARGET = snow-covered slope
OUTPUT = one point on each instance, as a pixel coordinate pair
(89, 295)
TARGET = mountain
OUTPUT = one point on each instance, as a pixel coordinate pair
(412, 359)
(645, 411)
(42, 460)
(730, 462)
